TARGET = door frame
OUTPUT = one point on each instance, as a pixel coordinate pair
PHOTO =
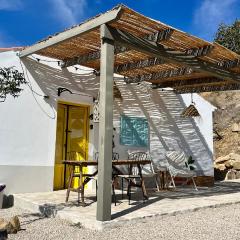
(67, 104)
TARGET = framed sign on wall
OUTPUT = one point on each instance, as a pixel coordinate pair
(134, 131)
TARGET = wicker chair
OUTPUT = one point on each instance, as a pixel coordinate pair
(177, 168)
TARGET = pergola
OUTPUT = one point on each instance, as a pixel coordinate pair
(125, 42)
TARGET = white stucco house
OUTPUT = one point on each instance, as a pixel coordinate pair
(40, 128)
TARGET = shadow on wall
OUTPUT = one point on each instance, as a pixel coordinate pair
(49, 79)
(168, 131)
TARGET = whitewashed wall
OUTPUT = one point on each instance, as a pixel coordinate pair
(28, 131)
(168, 130)
(205, 121)
(28, 124)
(26, 137)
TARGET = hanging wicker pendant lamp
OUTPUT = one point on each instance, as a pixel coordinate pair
(191, 110)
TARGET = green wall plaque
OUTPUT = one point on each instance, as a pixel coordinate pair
(134, 131)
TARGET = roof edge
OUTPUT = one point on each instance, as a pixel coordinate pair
(11, 49)
(86, 26)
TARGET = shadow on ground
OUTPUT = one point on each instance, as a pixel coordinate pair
(220, 188)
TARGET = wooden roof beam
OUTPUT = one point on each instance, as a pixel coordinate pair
(160, 75)
(138, 64)
(200, 51)
(159, 35)
(90, 56)
(208, 88)
(229, 63)
(188, 82)
(156, 49)
(154, 37)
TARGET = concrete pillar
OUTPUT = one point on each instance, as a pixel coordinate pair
(105, 126)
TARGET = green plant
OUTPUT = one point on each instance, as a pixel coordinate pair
(229, 36)
(190, 163)
(10, 81)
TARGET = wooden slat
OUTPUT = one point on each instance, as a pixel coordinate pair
(90, 56)
(200, 51)
(220, 87)
(138, 64)
(160, 75)
(182, 83)
(160, 35)
(154, 37)
(229, 63)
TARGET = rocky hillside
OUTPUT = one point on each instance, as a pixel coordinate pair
(226, 121)
(226, 132)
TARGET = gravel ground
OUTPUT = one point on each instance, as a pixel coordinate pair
(215, 223)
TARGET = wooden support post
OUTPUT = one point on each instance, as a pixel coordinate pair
(105, 126)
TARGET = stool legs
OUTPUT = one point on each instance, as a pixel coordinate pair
(69, 184)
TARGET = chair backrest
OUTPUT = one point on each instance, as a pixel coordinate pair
(140, 156)
(177, 158)
(115, 156)
(96, 156)
(176, 162)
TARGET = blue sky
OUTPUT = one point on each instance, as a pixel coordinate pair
(23, 22)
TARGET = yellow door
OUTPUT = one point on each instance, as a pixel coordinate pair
(77, 143)
(60, 147)
(71, 142)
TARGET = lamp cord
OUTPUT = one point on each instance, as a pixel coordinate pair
(34, 93)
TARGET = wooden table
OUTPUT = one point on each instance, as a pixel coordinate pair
(88, 177)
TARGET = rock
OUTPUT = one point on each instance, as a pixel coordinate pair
(235, 127)
(220, 167)
(237, 174)
(15, 223)
(3, 224)
(222, 159)
(12, 226)
(231, 174)
(236, 165)
(6, 225)
(235, 156)
(229, 163)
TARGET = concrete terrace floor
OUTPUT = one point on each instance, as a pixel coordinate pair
(181, 200)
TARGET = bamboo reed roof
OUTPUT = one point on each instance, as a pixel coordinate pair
(184, 62)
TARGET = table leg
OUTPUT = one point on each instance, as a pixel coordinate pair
(69, 184)
(142, 182)
(81, 184)
(161, 175)
(122, 186)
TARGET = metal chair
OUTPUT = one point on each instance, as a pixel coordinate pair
(177, 168)
(135, 174)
